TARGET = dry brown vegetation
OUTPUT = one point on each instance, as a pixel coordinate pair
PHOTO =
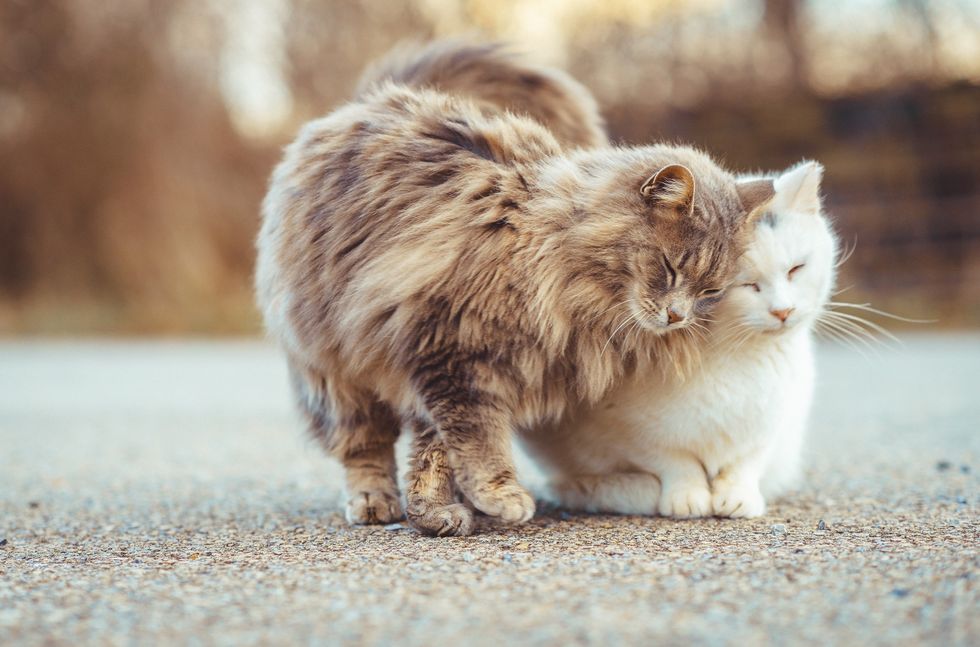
(130, 182)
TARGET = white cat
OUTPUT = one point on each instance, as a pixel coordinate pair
(715, 442)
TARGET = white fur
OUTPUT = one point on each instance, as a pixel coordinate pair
(720, 441)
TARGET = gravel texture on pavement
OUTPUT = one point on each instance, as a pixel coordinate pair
(162, 492)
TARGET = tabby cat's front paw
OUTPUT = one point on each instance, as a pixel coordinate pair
(738, 500)
(373, 507)
(686, 502)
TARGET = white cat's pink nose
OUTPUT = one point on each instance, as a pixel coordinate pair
(782, 314)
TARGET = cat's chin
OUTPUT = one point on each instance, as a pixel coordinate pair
(657, 328)
(785, 329)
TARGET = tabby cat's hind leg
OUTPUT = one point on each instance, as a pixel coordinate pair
(360, 432)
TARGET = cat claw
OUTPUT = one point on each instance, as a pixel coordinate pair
(738, 502)
(454, 520)
(365, 508)
(686, 503)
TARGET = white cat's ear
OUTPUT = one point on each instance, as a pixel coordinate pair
(672, 187)
(798, 189)
(755, 196)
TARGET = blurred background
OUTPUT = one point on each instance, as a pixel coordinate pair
(136, 136)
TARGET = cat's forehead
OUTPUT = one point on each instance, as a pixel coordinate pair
(699, 249)
(785, 238)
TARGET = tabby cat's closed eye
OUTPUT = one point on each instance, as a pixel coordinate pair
(671, 272)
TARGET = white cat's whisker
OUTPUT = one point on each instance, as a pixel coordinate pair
(849, 330)
(744, 339)
(848, 252)
(860, 347)
(737, 336)
(863, 324)
(849, 324)
(867, 308)
(868, 326)
(825, 330)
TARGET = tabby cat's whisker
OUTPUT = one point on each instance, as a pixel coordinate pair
(637, 325)
(700, 332)
(615, 305)
(630, 317)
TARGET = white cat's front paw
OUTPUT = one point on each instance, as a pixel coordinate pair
(738, 500)
(686, 501)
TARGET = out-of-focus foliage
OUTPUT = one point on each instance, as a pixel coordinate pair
(136, 136)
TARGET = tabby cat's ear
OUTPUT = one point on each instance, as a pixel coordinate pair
(671, 187)
(798, 189)
(755, 196)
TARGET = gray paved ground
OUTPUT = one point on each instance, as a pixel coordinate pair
(161, 493)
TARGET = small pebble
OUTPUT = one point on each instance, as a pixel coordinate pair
(900, 593)
(778, 529)
(395, 526)
(965, 469)
(3, 542)
(961, 500)
(33, 505)
(942, 466)
(821, 525)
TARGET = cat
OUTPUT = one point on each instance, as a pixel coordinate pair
(721, 441)
(425, 264)
(497, 79)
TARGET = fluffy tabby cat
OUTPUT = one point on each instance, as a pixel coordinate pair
(713, 444)
(427, 263)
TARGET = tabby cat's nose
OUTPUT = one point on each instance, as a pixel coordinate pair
(673, 316)
(782, 314)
